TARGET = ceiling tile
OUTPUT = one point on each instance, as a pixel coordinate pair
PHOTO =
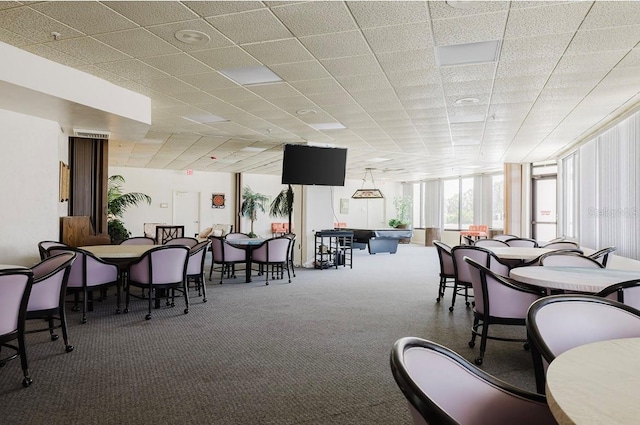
(546, 20)
(50, 53)
(313, 18)
(137, 42)
(364, 82)
(307, 70)
(215, 8)
(399, 37)
(607, 14)
(280, 51)
(353, 65)
(469, 29)
(34, 26)
(226, 58)
(409, 60)
(209, 81)
(442, 10)
(337, 45)
(178, 64)
(88, 50)
(272, 91)
(320, 86)
(621, 38)
(531, 47)
(384, 13)
(133, 69)
(250, 27)
(152, 12)
(90, 17)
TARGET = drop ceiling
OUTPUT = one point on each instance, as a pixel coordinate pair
(561, 71)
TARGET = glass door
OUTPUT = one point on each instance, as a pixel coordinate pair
(544, 224)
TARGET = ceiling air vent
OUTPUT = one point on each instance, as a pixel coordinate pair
(91, 134)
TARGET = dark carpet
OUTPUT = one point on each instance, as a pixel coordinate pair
(315, 351)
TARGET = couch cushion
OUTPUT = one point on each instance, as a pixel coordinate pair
(205, 233)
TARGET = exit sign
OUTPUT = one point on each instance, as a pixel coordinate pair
(189, 172)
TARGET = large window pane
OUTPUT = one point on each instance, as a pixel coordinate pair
(418, 206)
(451, 190)
(497, 202)
(466, 202)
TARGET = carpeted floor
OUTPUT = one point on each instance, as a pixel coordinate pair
(315, 351)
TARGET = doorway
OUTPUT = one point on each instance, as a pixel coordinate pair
(544, 224)
(186, 211)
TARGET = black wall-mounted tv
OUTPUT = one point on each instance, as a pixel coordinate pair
(314, 165)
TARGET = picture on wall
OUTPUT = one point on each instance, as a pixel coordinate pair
(217, 200)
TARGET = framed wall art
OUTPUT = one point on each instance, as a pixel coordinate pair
(217, 200)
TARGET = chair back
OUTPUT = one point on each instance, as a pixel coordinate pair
(186, 241)
(602, 255)
(522, 242)
(273, 250)
(45, 245)
(625, 292)
(446, 260)
(87, 269)
(15, 288)
(165, 233)
(499, 296)
(505, 237)
(50, 281)
(237, 235)
(490, 242)
(162, 265)
(568, 259)
(195, 264)
(442, 387)
(463, 273)
(558, 323)
(138, 240)
(562, 245)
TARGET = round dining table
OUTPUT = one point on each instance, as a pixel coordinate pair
(517, 252)
(575, 279)
(248, 244)
(596, 383)
(118, 252)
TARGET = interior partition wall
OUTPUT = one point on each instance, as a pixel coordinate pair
(608, 197)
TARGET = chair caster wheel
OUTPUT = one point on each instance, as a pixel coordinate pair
(526, 346)
(54, 337)
(27, 381)
(204, 300)
(438, 299)
(2, 364)
(69, 348)
(172, 304)
(478, 361)
(147, 317)
(451, 308)
(467, 303)
(472, 344)
(118, 311)
(84, 320)
(126, 310)
(186, 311)
(75, 308)
(266, 283)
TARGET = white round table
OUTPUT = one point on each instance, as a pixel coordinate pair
(576, 279)
(10, 266)
(596, 383)
(517, 252)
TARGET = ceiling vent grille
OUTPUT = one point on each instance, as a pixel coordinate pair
(91, 134)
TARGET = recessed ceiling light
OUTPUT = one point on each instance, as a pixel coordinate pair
(253, 149)
(306, 111)
(226, 161)
(251, 75)
(464, 54)
(467, 100)
(462, 4)
(192, 37)
(379, 159)
(204, 118)
(328, 126)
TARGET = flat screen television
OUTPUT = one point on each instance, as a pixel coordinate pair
(314, 165)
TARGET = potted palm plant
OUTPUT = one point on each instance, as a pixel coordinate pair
(282, 205)
(252, 202)
(402, 218)
(117, 203)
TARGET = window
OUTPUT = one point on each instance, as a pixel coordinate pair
(418, 206)
(497, 202)
(458, 203)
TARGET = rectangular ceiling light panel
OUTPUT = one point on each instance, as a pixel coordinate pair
(251, 75)
(464, 54)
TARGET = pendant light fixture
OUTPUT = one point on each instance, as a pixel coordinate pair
(367, 193)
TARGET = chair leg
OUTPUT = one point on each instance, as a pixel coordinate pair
(483, 342)
(288, 274)
(441, 289)
(453, 297)
(152, 295)
(204, 288)
(84, 305)
(186, 296)
(65, 335)
(23, 359)
(51, 327)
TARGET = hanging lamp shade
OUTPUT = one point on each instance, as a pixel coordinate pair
(367, 193)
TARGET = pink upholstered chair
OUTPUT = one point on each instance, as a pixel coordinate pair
(226, 256)
(442, 387)
(45, 245)
(625, 292)
(162, 269)
(138, 240)
(47, 299)
(558, 323)
(561, 245)
(463, 273)
(498, 301)
(89, 273)
(195, 267)
(273, 254)
(186, 241)
(15, 287)
(490, 242)
(447, 272)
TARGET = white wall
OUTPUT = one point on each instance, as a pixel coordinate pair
(31, 148)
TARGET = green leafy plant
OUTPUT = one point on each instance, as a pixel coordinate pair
(403, 205)
(117, 203)
(282, 205)
(252, 202)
